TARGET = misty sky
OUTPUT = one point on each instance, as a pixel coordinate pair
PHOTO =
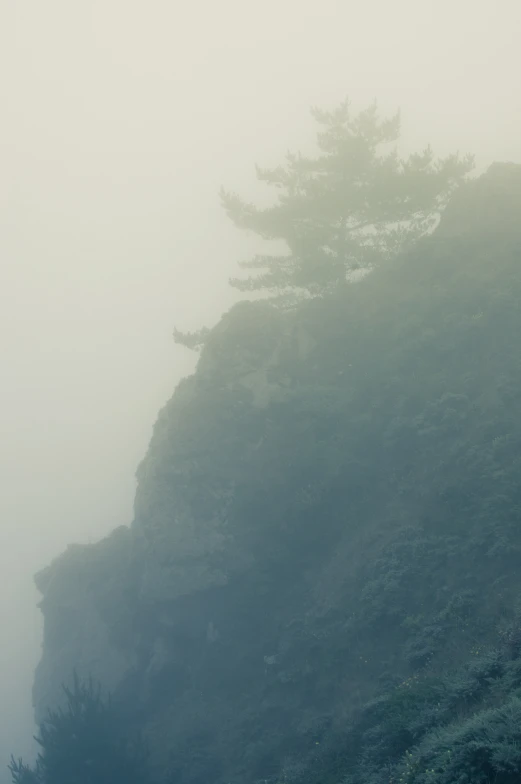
(120, 121)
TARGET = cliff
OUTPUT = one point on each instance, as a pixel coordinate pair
(328, 509)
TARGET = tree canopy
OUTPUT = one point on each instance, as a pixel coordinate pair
(352, 205)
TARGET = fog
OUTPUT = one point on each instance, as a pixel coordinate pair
(120, 121)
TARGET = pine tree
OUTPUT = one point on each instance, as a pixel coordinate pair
(83, 744)
(346, 209)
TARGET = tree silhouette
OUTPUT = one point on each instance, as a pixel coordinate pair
(347, 208)
(83, 743)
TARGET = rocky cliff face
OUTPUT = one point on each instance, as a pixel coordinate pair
(318, 506)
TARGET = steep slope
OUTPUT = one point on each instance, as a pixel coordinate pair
(328, 510)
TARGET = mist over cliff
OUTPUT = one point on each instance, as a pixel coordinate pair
(321, 581)
(120, 122)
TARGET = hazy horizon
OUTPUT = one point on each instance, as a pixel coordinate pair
(121, 122)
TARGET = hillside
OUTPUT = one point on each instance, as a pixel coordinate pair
(321, 582)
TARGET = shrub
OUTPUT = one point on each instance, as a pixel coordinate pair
(83, 743)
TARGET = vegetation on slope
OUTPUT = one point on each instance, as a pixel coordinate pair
(351, 206)
(364, 586)
(84, 743)
(382, 499)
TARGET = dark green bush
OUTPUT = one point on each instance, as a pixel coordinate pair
(83, 743)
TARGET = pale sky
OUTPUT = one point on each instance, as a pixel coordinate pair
(119, 122)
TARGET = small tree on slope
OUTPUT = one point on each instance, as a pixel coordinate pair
(83, 744)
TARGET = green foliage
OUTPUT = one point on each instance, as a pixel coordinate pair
(192, 340)
(461, 726)
(83, 744)
(350, 207)
(485, 748)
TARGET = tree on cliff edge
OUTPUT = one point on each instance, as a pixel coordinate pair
(83, 744)
(345, 209)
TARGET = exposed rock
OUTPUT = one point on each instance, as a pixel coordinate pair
(88, 606)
